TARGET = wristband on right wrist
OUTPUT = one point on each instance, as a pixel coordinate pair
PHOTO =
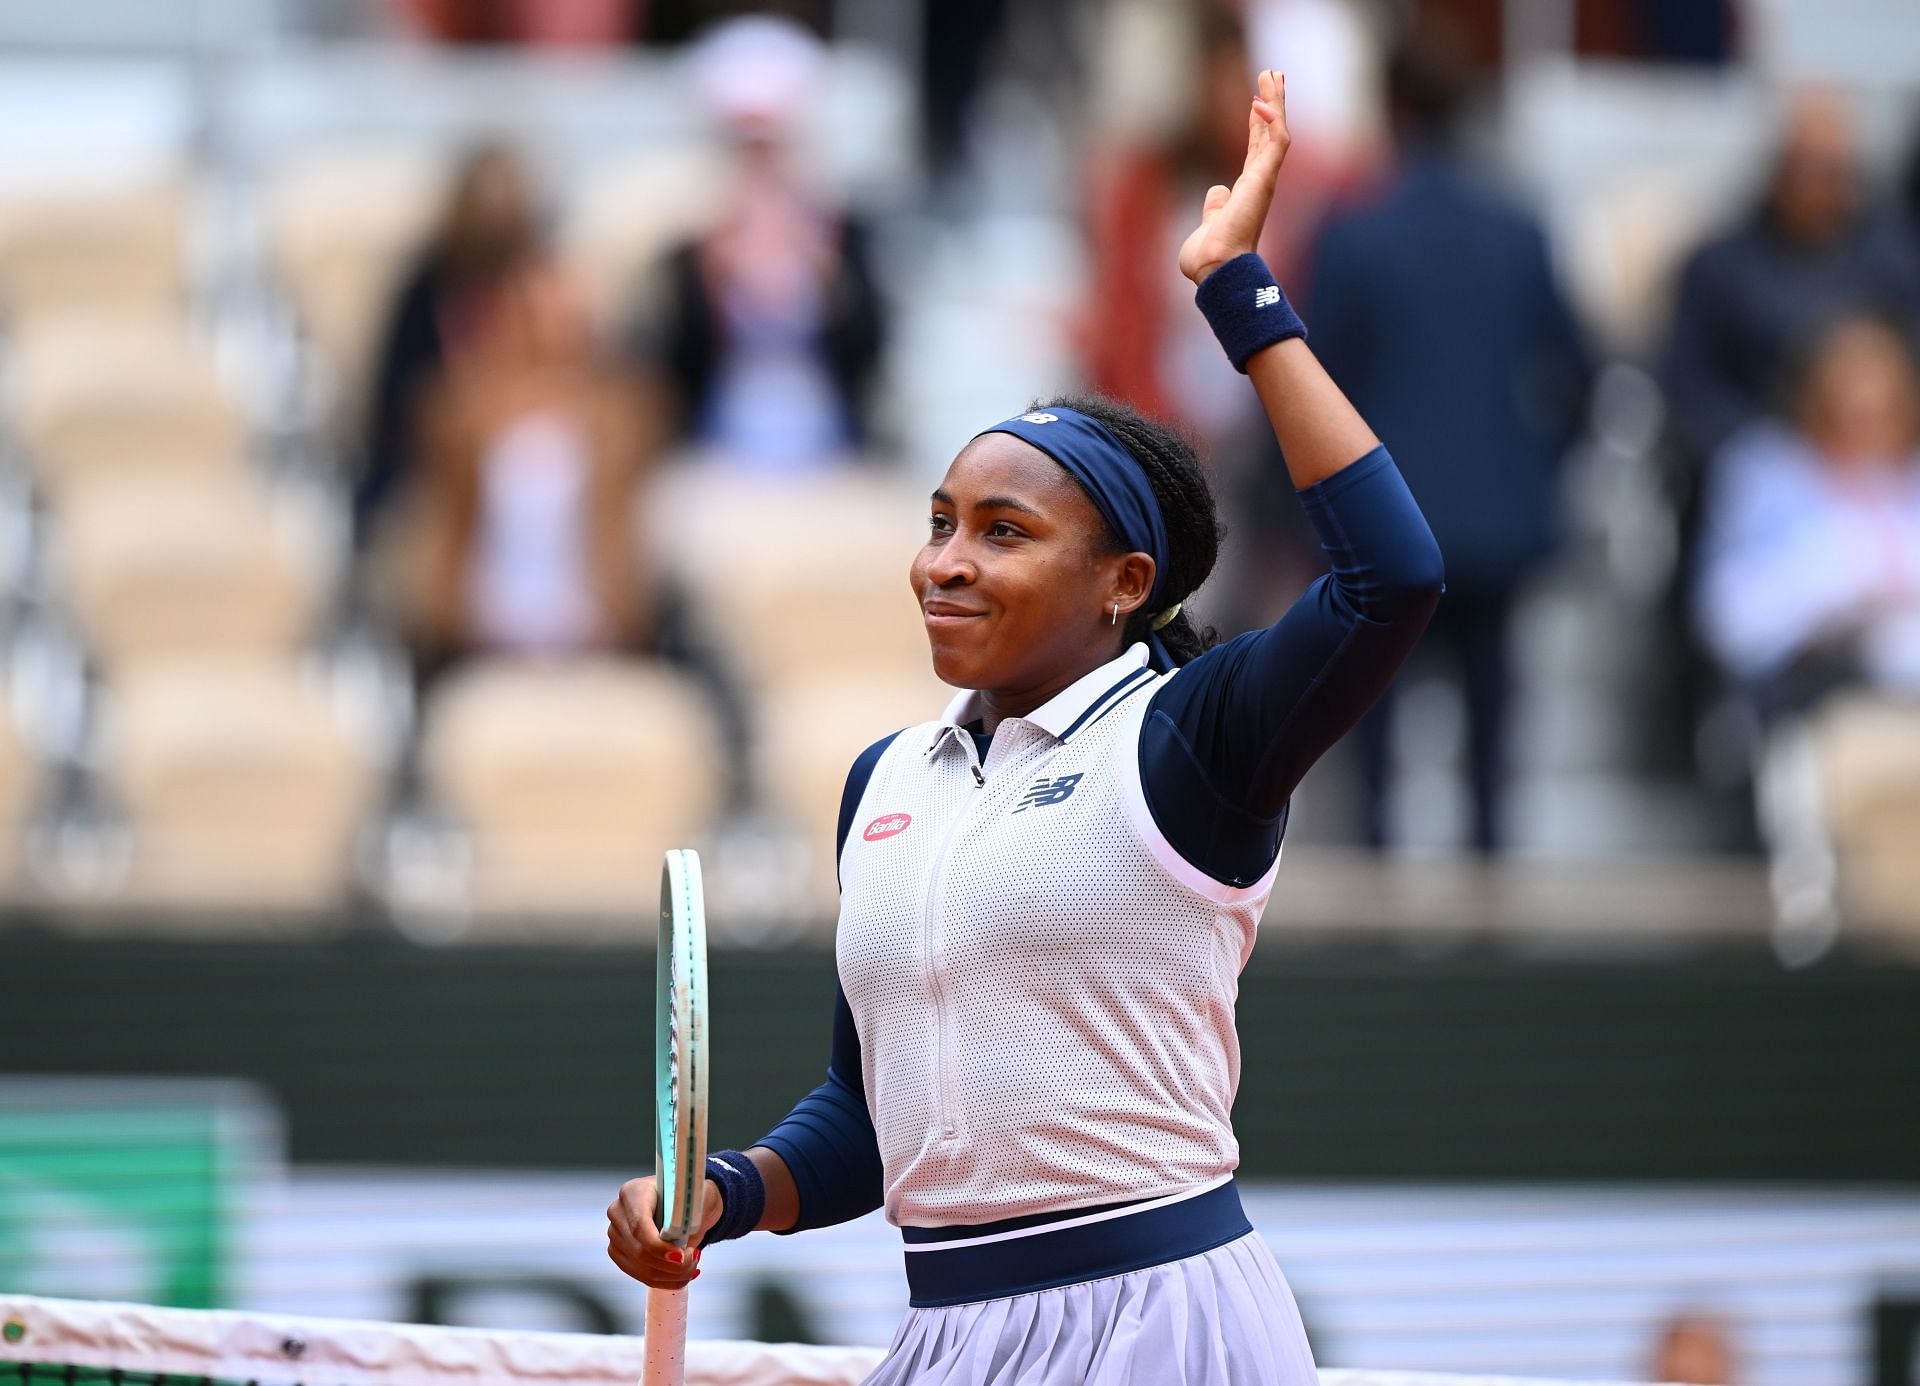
(1246, 309)
(743, 1196)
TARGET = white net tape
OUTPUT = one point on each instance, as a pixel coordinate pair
(280, 1349)
(276, 1348)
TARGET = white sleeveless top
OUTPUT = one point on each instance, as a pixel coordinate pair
(1044, 988)
(529, 588)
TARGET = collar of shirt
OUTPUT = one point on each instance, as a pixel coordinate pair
(1065, 710)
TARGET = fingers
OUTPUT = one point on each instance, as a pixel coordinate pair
(1217, 196)
(655, 1275)
(1267, 137)
(1270, 105)
(635, 1245)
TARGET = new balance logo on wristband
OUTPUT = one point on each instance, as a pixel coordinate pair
(1267, 297)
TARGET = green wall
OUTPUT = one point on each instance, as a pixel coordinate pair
(1359, 1063)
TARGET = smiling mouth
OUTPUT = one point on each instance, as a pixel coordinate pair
(943, 611)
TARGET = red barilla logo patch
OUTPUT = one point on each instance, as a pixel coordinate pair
(887, 825)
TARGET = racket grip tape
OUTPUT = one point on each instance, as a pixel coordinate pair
(665, 1351)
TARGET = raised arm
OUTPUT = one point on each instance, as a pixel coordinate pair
(1319, 432)
(1229, 736)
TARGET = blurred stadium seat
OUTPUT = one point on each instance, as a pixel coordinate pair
(821, 725)
(340, 224)
(572, 780)
(629, 213)
(177, 566)
(746, 545)
(241, 785)
(1869, 759)
(19, 781)
(116, 249)
(97, 398)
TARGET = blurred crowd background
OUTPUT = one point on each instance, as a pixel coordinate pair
(449, 444)
(452, 450)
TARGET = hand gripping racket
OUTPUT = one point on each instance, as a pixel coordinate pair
(679, 1098)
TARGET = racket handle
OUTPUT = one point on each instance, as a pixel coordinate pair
(666, 1347)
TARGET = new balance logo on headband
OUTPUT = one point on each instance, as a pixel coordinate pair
(1045, 791)
(1267, 297)
(1039, 418)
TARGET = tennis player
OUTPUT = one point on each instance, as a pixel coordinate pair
(1047, 895)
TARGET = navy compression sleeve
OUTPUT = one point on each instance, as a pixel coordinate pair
(828, 1140)
(1228, 737)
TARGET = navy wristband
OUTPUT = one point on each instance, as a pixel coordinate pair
(743, 1196)
(1245, 308)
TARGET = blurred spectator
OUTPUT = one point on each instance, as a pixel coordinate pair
(1141, 340)
(1810, 561)
(1172, 119)
(1138, 333)
(522, 528)
(769, 326)
(561, 23)
(487, 229)
(531, 458)
(955, 46)
(1434, 306)
(1896, 235)
(1797, 259)
(1336, 113)
(1694, 1347)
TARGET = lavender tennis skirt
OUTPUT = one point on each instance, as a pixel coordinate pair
(1070, 1302)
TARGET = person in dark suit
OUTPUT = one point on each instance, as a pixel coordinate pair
(1435, 309)
(1803, 256)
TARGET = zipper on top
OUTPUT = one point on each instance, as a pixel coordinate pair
(934, 957)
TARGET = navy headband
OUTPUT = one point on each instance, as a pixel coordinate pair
(1110, 475)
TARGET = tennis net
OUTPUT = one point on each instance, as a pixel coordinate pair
(64, 1342)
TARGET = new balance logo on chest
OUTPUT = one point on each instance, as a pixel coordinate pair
(1046, 791)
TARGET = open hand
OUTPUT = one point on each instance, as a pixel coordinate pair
(1231, 219)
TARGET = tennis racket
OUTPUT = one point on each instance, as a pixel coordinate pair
(679, 1098)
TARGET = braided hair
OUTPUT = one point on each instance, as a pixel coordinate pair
(1193, 523)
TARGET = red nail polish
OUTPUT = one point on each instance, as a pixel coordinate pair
(694, 1276)
(675, 1257)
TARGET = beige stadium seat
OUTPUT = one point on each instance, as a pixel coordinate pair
(19, 783)
(808, 736)
(340, 226)
(1627, 247)
(799, 577)
(100, 398)
(629, 214)
(111, 249)
(240, 782)
(1869, 768)
(573, 780)
(183, 567)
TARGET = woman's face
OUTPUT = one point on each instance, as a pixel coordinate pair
(1862, 402)
(1014, 582)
